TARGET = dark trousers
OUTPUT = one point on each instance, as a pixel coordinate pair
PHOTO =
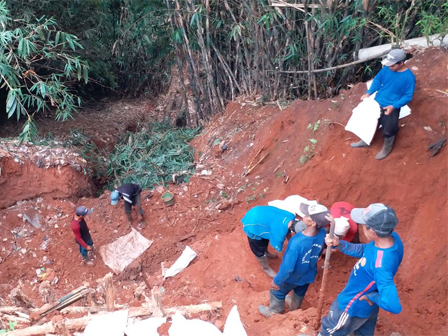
(339, 323)
(138, 205)
(258, 247)
(83, 250)
(285, 288)
(389, 122)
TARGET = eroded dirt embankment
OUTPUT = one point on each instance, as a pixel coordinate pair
(24, 181)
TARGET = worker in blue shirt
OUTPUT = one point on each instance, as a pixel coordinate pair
(371, 283)
(394, 86)
(299, 265)
(266, 225)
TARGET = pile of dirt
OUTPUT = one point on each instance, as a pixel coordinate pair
(207, 211)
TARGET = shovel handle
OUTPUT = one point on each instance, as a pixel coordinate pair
(324, 278)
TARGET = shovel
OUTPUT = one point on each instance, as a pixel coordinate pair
(324, 278)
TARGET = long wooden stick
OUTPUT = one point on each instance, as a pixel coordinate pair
(324, 278)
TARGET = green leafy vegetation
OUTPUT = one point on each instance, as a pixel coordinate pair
(11, 327)
(37, 68)
(150, 156)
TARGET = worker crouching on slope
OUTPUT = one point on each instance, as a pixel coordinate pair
(371, 283)
(299, 265)
(264, 225)
(131, 194)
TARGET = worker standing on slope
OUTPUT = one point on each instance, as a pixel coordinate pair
(82, 233)
(299, 264)
(371, 283)
(394, 86)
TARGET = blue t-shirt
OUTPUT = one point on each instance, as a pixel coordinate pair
(394, 88)
(299, 264)
(268, 222)
(372, 276)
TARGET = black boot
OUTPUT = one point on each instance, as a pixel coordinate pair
(276, 306)
(265, 266)
(387, 148)
(294, 301)
(359, 144)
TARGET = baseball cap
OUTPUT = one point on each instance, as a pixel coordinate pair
(378, 217)
(394, 56)
(83, 211)
(317, 212)
(114, 197)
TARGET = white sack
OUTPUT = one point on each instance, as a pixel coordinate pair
(233, 326)
(364, 119)
(292, 204)
(110, 324)
(147, 327)
(120, 253)
(181, 263)
(180, 326)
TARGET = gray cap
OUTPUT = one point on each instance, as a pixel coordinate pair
(394, 56)
(378, 217)
(83, 211)
(317, 212)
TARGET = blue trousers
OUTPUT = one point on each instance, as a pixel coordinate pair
(338, 323)
(285, 288)
(82, 250)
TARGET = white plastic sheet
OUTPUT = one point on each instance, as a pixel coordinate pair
(120, 253)
(180, 326)
(147, 327)
(292, 204)
(183, 327)
(111, 324)
(233, 326)
(181, 263)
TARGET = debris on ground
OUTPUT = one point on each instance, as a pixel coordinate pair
(43, 156)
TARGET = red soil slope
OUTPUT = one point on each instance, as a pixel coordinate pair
(207, 211)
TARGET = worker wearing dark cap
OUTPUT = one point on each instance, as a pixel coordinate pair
(82, 233)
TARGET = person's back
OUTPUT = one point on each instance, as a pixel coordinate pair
(374, 272)
(267, 222)
(128, 191)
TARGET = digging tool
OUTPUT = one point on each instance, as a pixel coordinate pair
(251, 167)
(324, 278)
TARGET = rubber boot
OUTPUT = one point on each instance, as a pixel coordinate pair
(359, 144)
(294, 301)
(87, 260)
(387, 148)
(271, 255)
(129, 216)
(276, 306)
(265, 266)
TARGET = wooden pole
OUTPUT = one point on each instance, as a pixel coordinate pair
(324, 278)
(110, 293)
